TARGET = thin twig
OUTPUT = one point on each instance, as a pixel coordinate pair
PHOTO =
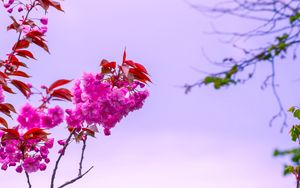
(28, 180)
(281, 111)
(82, 157)
(59, 158)
(75, 179)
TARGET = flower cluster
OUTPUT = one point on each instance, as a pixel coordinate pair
(99, 102)
(31, 117)
(27, 151)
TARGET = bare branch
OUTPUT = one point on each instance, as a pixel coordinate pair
(82, 156)
(59, 158)
(28, 179)
(75, 179)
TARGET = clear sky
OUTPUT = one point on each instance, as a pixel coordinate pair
(207, 139)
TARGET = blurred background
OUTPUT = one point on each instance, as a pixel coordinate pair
(207, 138)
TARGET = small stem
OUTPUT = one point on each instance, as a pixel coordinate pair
(75, 179)
(59, 158)
(82, 157)
(28, 180)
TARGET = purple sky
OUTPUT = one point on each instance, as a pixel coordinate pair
(208, 139)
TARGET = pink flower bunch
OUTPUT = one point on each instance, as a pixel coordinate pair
(99, 102)
(30, 117)
(27, 152)
(8, 5)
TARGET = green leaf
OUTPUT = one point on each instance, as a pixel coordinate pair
(276, 153)
(294, 18)
(292, 109)
(209, 80)
(295, 132)
(297, 114)
(288, 170)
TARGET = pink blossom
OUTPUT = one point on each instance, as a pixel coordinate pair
(44, 30)
(99, 102)
(10, 10)
(19, 169)
(29, 117)
(44, 20)
(56, 114)
(31, 164)
(20, 9)
(6, 5)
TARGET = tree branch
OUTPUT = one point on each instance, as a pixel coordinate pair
(281, 111)
(59, 158)
(82, 156)
(28, 179)
(75, 179)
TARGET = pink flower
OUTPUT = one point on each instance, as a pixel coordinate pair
(43, 167)
(20, 9)
(56, 114)
(28, 117)
(44, 30)
(10, 10)
(46, 122)
(25, 28)
(6, 5)
(19, 169)
(31, 164)
(49, 144)
(44, 20)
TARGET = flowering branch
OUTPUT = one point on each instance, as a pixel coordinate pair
(102, 99)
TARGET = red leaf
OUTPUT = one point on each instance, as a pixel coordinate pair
(35, 133)
(40, 42)
(2, 78)
(21, 44)
(34, 33)
(59, 83)
(139, 75)
(62, 93)
(10, 134)
(25, 53)
(3, 122)
(130, 63)
(124, 56)
(25, 90)
(6, 88)
(20, 73)
(56, 5)
(141, 68)
(18, 63)
(107, 64)
(89, 132)
(8, 106)
(15, 25)
(45, 4)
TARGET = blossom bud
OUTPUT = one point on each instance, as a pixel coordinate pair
(44, 20)
(10, 10)
(20, 9)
